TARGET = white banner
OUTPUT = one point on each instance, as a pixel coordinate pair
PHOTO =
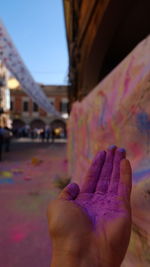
(12, 60)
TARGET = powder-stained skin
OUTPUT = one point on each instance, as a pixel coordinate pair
(101, 194)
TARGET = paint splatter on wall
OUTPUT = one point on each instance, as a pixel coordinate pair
(117, 112)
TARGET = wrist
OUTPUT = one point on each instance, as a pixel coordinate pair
(72, 254)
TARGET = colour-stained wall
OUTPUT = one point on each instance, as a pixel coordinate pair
(117, 112)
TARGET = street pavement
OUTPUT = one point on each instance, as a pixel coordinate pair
(27, 184)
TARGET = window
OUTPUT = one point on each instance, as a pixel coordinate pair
(64, 105)
(25, 106)
(52, 101)
(35, 107)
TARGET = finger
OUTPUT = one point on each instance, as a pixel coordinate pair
(70, 192)
(105, 175)
(92, 176)
(115, 177)
(125, 183)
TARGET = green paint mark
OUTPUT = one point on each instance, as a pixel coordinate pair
(6, 174)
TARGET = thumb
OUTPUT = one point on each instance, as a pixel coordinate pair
(125, 183)
(70, 192)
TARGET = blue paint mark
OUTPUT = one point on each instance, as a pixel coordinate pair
(6, 181)
(137, 176)
(143, 121)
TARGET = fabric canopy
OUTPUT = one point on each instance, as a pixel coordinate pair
(12, 60)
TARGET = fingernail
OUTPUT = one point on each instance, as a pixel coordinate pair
(73, 188)
(121, 149)
(112, 147)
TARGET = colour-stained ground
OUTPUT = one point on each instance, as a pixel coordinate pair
(27, 175)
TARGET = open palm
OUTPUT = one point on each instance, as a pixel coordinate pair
(100, 212)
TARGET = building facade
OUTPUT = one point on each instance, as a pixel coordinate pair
(100, 34)
(24, 111)
(4, 96)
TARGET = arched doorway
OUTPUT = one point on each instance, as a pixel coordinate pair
(37, 123)
(37, 127)
(58, 128)
(18, 127)
(17, 124)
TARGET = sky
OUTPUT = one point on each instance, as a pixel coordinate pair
(37, 29)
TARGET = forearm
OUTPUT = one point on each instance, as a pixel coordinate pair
(86, 257)
(68, 260)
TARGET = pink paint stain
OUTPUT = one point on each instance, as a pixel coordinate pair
(21, 232)
(27, 178)
(18, 237)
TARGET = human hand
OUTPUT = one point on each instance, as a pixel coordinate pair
(92, 227)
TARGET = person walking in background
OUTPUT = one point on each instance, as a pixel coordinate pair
(53, 135)
(42, 135)
(47, 133)
(1, 141)
(7, 138)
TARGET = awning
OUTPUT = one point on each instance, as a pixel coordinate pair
(13, 62)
